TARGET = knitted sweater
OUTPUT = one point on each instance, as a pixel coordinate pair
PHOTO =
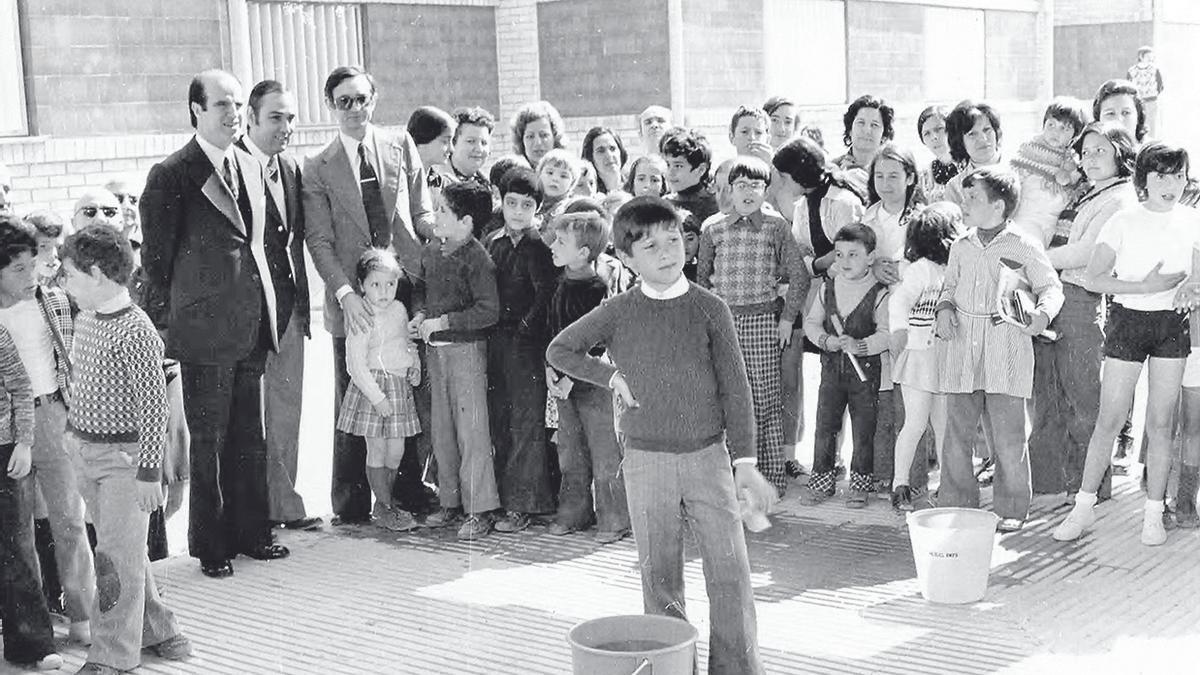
(16, 395)
(681, 359)
(118, 388)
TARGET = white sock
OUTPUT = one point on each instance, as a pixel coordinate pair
(1085, 500)
(1154, 506)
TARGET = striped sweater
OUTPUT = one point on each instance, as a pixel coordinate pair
(118, 386)
(16, 395)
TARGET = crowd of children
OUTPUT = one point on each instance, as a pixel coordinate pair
(616, 343)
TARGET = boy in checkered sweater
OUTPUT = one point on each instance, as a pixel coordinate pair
(117, 428)
(749, 259)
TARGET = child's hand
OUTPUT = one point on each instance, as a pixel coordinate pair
(1037, 325)
(887, 272)
(149, 495)
(785, 332)
(414, 326)
(947, 323)
(1187, 297)
(621, 388)
(383, 407)
(834, 343)
(20, 462)
(1155, 281)
(414, 375)
(762, 496)
(897, 342)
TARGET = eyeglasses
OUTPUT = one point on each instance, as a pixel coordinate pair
(755, 185)
(122, 197)
(90, 211)
(352, 102)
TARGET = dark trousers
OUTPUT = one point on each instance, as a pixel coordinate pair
(228, 494)
(350, 494)
(28, 635)
(840, 387)
(517, 413)
(588, 453)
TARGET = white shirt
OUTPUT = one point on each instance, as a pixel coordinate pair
(889, 236)
(34, 342)
(1143, 238)
(274, 187)
(218, 156)
(351, 146)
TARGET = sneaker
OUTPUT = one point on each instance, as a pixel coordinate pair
(396, 520)
(559, 530)
(794, 469)
(902, 498)
(1010, 525)
(475, 526)
(1075, 524)
(444, 517)
(611, 537)
(175, 648)
(50, 661)
(857, 499)
(986, 472)
(1154, 533)
(812, 497)
(513, 521)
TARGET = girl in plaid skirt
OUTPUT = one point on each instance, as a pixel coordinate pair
(383, 368)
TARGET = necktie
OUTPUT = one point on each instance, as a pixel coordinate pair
(230, 178)
(372, 196)
(273, 169)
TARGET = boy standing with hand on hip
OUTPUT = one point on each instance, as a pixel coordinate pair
(677, 369)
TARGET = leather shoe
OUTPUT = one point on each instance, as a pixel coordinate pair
(217, 569)
(309, 524)
(267, 552)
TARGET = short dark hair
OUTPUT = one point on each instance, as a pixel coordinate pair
(857, 233)
(744, 111)
(261, 91)
(1068, 110)
(690, 145)
(690, 222)
(523, 181)
(585, 205)
(469, 198)
(886, 114)
(474, 116)
(590, 230)
(16, 237)
(343, 73)
(1159, 157)
(998, 183)
(46, 223)
(531, 112)
(101, 246)
(427, 123)
(376, 260)
(501, 168)
(962, 119)
(928, 112)
(802, 160)
(749, 167)
(931, 231)
(633, 169)
(775, 103)
(197, 93)
(1125, 156)
(1116, 88)
(638, 217)
(1144, 50)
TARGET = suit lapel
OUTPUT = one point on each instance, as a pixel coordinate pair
(340, 178)
(287, 176)
(204, 174)
(252, 176)
(390, 168)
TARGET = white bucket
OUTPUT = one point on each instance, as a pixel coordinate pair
(952, 548)
(641, 644)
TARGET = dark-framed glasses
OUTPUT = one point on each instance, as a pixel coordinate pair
(352, 102)
(91, 211)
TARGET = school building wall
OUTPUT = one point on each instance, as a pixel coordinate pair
(113, 100)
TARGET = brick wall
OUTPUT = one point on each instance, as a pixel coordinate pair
(1012, 68)
(723, 53)
(1087, 55)
(886, 49)
(115, 66)
(517, 61)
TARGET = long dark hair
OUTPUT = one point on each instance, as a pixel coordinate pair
(805, 162)
(588, 154)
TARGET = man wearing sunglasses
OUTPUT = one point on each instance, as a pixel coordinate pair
(204, 219)
(366, 188)
(97, 206)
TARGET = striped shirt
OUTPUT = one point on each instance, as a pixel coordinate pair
(745, 259)
(16, 395)
(983, 355)
(118, 387)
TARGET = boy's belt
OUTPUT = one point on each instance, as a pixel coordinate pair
(53, 397)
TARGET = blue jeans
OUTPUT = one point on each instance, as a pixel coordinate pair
(669, 492)
(28, 635)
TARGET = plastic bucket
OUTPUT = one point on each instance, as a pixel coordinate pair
(623, 645)
(952, 548)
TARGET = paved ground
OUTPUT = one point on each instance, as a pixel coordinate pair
(835, 592)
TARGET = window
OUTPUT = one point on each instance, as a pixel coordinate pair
(12, 107)
(805, 50)
(299, 43)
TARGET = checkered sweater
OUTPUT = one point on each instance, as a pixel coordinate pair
(117, 383)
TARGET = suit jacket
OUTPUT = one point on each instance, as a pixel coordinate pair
(284, 248)
(336, 227)
(198, 249)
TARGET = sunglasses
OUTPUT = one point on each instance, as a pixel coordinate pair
(90, 211)
(122, 197)
(352, 102)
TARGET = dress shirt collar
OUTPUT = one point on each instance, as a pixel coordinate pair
(754, 220)
(215, 155)
(262, 157)
(673, 291)
(351, 146)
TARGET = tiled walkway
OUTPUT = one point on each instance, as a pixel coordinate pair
(835, 594)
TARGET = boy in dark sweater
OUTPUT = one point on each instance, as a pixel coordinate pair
(525, 277)
(689, 157)
(678, 373)
(454, 305)
(116, 431)
(587, 442)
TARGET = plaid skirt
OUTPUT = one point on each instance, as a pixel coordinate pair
(357, 416)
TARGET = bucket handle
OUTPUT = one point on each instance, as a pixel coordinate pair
(643, 667)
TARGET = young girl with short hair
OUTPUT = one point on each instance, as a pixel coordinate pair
(383, 367)
(915, 350)
(647, 176)
(1152, 248)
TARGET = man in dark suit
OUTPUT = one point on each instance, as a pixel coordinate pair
(272, 120)
(204, 217)
(366, 188)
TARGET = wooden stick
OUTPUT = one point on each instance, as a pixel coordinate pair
(837, 327)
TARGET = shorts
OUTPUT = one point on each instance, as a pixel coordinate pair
(1132, 335)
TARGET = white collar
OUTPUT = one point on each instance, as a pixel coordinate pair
(215, 155)
(673, 291)
(262, 157)
(116, 303)
(351, 144)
